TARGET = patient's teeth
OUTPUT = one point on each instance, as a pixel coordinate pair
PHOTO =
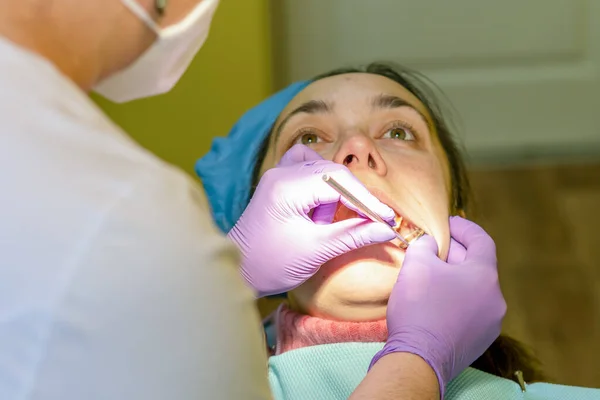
(408, 230)
(398, 221)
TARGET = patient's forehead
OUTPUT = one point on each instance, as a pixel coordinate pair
(352, 89)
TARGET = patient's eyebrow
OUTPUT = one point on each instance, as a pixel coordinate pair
(310, 107)
(390, 101)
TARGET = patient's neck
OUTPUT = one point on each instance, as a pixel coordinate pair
(295, 330)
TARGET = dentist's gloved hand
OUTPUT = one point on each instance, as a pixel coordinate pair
(447, 313)
(285, 234)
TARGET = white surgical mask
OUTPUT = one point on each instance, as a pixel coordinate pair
(165, 62)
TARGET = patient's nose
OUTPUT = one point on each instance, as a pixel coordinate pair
(358, 152)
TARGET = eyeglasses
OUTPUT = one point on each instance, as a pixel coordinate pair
(160, 6)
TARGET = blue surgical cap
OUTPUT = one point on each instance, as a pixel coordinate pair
(226, 170)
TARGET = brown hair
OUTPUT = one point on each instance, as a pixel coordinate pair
(505, 356)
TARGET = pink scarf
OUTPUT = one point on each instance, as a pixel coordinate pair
(296, 330)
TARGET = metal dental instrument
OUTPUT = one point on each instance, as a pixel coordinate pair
(358, 204)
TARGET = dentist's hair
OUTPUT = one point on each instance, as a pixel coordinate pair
(506, 355)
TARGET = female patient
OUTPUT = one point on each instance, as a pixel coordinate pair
(386, 126)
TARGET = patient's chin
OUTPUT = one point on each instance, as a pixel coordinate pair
(353, 287)
(357, 292)
(361, 283)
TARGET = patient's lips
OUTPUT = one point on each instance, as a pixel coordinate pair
(406, 228)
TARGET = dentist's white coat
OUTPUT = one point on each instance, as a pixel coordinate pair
(114, 284)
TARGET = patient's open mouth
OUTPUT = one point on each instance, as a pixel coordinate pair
(408, 230)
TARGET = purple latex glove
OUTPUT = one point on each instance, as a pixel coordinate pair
(281, 245)
(447, 313)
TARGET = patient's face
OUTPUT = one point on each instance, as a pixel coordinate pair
(384, 135)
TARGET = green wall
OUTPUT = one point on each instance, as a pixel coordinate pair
(231, 73)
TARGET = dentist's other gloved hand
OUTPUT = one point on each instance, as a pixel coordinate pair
(285, 234)
(448, 313)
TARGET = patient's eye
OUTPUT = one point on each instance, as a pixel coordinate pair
(400, 133)
(308, 138)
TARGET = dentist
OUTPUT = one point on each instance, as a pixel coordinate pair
(114, 282)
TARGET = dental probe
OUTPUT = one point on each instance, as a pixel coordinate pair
(358, 204)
